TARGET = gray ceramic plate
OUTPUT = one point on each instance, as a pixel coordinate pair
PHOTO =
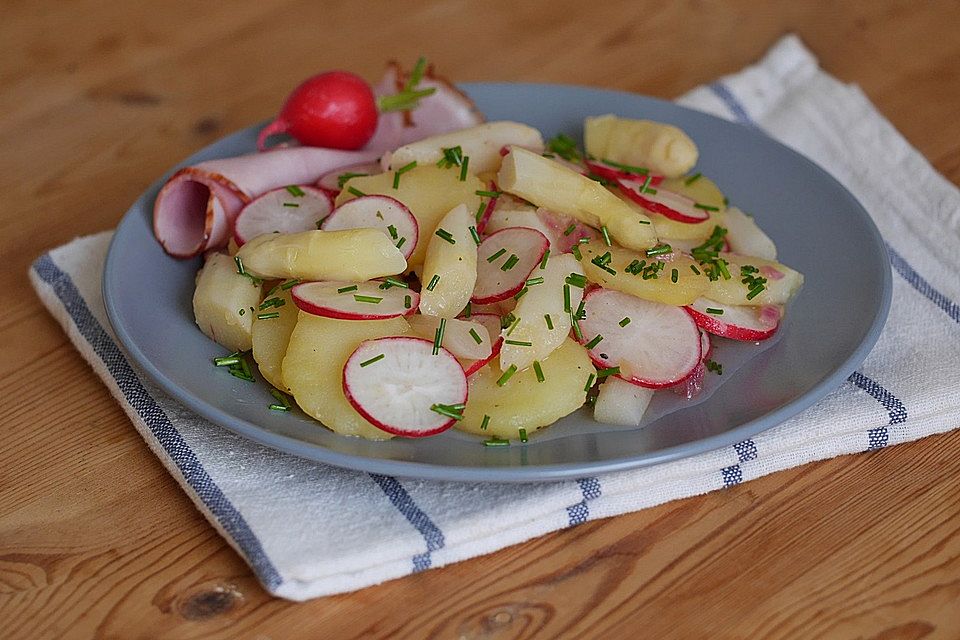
(818, 226)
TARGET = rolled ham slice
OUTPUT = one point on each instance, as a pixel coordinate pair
(195, 209)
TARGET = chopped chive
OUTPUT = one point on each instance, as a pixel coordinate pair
(369, 299)
(693, 268)
(399, 172)
(577, 280)
(659, 250)
(716, 312)
(543, 261)
(706, 207)
(519, 343)
(355, 191)
(487, 194)
(755, 292)
(576, 326)
(406, 302)
(268, 316)
(514, 323)
(549, 321)
(566, 298)
(674, 275)
(226, 361)
(589, 385)
(476, 336)
(521, 293)
(651, 191)
(565, 147)
(475, 235)
(533, 281)
(594, 342)
(496, 255)
(278, 407)
(400, 242)
(726, 201)
(271, 302)
(575, 250)
(502, 380)
(713, 365)
(242, 311)
(537, 369)
(689, 181)
(395, 282)
(393, 231)
(376, 358)
(446, 235)
(433, 283)
(295, 191)
(479, 213)
(290, 204)
(646, 184)
(239, 262)
(624, 322)
(344, 177)
(606, 236)
(289, 284)
(581, 311)
(438, 336)
(570, 229)
(510, 263)
(485, 423)
(452, 157)
(352, 287)
(467, 310)
(609, 371)
(463, 168)
(506, 320)
(523, 433)
(626, 167)
(496, 442)
(237, 373)
(448, 410)
(644, 222)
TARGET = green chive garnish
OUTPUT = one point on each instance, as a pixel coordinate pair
(519, 343)
(689, 181)
(716, 312)
(566, 298)
(659, 250)
(549, 320)
(463, 168)
(496, 255)
(278, 407)
(576, 327)
(512, 369)
(452, 157)
(355, 191)
(433, 283)
(625, 322)
(577, 280)
(606, 236)
(295, 191)
(344, 177)
(594, 342)
(706, 207)
(485, 423)
(352, 287)
(290, 204)
(570, 229)
(693, 268)
(674, 275)
(475, 235)
(543, 261)
(496, 442)
(227, 361)
(454, 411)
(521, 293)
(406, 302)
(610, 371)
(480, 210)
(713, 365)
(467, 310)
(476, 336)
(533, 281)
(438, 336)
(399, 172)
(393, 231)
(487, 194)
(589, 384)
(268, 316)
(400, 242)
(510, 262)
(289, 284)
(626, 167)
(376, 358)
(523, 433)
(755, 292)
(394, 282)
(514, 323)
(537, 369)
(242, 311)
(368, 299)
(575, 250)
(446, 235)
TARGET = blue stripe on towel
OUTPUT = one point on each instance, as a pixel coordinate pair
(879, 437)
(746, 451)
(925, 289)
(590, 489)
(157, 421)
(736, 107)
(405, 504)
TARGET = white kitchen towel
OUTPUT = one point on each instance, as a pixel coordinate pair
(310, 530)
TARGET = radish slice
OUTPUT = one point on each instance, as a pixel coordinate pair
(354, 300)
(658, 347)
(330, 182)
(286, 210)
(377, 212)
(667, 203)
(600, 168)
(398, 384)
(743, 323)
(706, 345)
(484, 216)
(505, 260)
(466, 339)
(492, 324)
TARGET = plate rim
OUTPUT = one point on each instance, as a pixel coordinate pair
(511, 474)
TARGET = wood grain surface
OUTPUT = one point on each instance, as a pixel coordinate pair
(96, 540)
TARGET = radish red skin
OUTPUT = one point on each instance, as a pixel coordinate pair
(336, 109)
(718, 327)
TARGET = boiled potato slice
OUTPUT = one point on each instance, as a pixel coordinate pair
(313, 368)
(782, 282)
(746, 237)
(688, 287)
(541, 300)
(453, 264)
(429, 191)
(271, 336)
(351, 255)
(481, 144)
(523, 402)
(553, 186)
(661, 148)
(222, 303)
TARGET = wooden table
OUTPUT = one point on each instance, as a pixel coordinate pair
(96, 539)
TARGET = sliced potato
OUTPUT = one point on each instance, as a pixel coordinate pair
(523, 402)
(481, 144)
(271, 336)
(222, 303)
(313, 368)
(540, 301)
(457, 336)
(746, 237)
(662, 148)
(429, 191)
(553, 186)
(451, 259)
(782, 282)
(351, 255)
(689, 286)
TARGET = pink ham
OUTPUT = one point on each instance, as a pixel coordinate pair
(195, 209)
